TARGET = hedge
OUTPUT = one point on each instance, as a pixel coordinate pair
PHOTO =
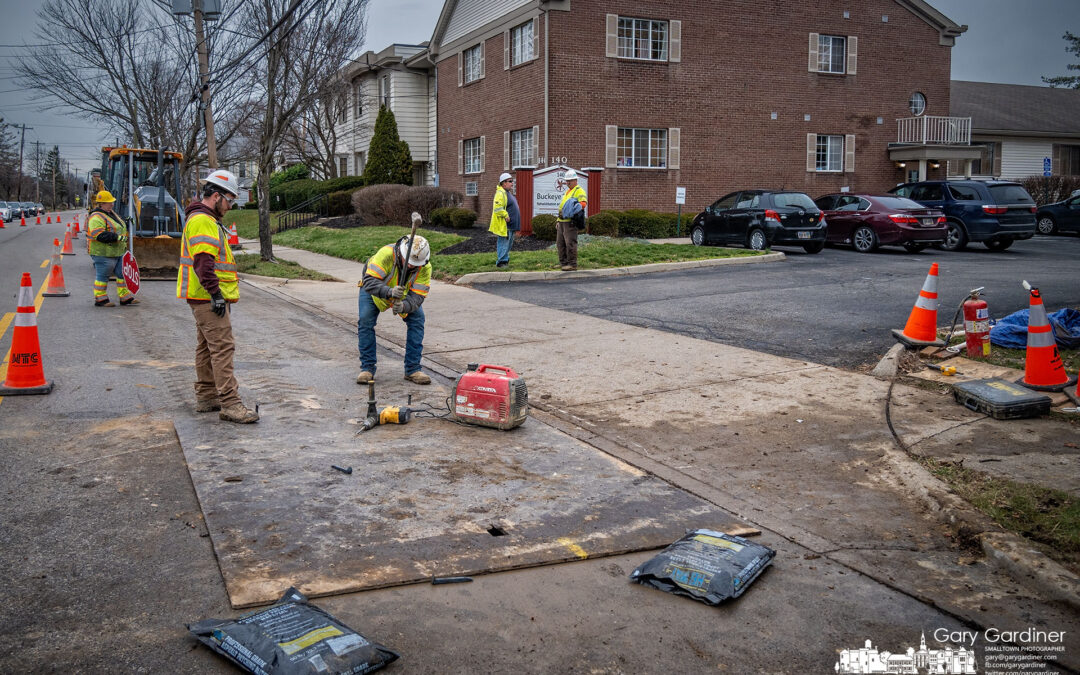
(604, 224)
(1050, 189)
(543, 227)
(645, 224)
(392, 204)
(462, 219)
(340, 203)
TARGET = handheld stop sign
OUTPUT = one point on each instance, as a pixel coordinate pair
(130, 268)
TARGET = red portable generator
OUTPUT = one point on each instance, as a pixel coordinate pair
(491, 396)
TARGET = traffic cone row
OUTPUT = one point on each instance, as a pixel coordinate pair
(921, 328)
(26, 372)
(1043, 369)
(56, 287)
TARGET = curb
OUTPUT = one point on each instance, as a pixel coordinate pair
(499, 277)
(1027, 565)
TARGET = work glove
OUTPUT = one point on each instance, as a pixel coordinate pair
(397, 292)
(107, 237)
(217, 303)
(399, 306)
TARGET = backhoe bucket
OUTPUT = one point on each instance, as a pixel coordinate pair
(159, 257)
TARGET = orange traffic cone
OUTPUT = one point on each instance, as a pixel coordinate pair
(74, 229)
(25, 373)
(234, 240)
(67, 243)
(55, 287)
(1, 223)
(1043, 369)
(48, 220)
(76, 225)
(921, 328)
(38, 222)
(22, 221)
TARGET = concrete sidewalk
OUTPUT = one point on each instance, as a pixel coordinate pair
(802, 450)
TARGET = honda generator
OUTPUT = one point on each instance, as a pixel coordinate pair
(491, 396)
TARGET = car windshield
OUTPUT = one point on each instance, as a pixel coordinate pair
(895, 203)
(797, 199)
(1010, 194)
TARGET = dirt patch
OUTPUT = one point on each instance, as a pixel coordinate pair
(479, 240)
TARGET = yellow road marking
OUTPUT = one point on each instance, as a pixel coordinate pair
(5, 321)
(44, 264)
(574, 548)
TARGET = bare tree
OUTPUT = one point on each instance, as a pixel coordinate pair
(313, 137)
(307, 45)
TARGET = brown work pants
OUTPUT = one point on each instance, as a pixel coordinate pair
(566, 243)
(214, 356)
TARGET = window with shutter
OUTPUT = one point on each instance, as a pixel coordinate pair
(852, 54)
(506, 50)
(612, 49)
(813, 54)
(611, 144)
(849, 153)
(811, 152)
(483, 152)
(675, 42)
(673, 148)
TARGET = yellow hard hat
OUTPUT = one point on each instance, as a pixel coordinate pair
(104, 197)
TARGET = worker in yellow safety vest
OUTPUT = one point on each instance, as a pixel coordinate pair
(106, 241)
(567, 224)
(208, 281)
(384, 289)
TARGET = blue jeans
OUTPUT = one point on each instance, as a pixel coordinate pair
(365, 331)
(103, 267)
(502, 247)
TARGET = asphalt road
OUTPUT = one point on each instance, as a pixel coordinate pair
(836, 307)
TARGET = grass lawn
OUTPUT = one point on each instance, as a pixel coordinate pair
(247, 222)
(357, 243)
(1014, 358)
(252, 263)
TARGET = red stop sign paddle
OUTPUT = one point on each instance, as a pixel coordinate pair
(130, 269)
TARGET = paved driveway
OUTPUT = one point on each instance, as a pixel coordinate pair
(835, 307)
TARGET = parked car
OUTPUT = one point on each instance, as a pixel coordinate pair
(997, 213)
(759, 219)
(1063, 216)
(5, 211)
(29, 209)
(40, 208)
(869, 221)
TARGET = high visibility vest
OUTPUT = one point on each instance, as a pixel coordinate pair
(499, 214)
(203, 234)
(577, 193)
(381, 264)
(101, 222)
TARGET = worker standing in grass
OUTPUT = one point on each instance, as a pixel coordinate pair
(568, 224)
(382, 290)
(505, 219)
(208, 281)
(108, 238)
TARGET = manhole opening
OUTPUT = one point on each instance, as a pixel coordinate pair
(496, 531)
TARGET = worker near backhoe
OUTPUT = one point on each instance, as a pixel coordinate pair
(107, 238)
(567, 224)
(208, 281)
(392, 282)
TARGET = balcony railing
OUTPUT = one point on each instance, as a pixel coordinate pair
(928, 129)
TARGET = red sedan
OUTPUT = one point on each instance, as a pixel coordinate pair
(869, 221)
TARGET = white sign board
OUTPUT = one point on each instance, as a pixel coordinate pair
(680, 195)
(549, 186)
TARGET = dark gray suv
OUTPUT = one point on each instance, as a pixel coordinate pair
(997, 213)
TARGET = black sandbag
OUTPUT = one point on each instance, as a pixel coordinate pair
(292, 637)
(705, 565)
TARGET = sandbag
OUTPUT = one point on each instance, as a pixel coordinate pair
(705, 565)
(292, 637)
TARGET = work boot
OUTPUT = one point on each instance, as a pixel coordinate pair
(568, 268)
(103, 302)
(207, 405)
(365, 376)
(239, 414)
(130, 300)
(418, 378)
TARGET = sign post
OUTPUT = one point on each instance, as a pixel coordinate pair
(680, 199)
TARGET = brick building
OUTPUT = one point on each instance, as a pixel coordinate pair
(710, 95)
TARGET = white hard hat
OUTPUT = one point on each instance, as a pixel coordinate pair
(421, 250)
(570, 175)
(505, 177)
(225, 180)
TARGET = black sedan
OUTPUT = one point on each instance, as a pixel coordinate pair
(759, 219)
(1063, 216)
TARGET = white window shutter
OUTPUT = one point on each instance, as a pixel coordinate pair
(675, 42)
(612, 35)
(673, 148)
(506, 50)
(811, 152)
(483, 149)
(506, 151)
(460, 71)
(536, 38)
(482, 51)
(852, 54)
(813, 52)
(535, 144)
(849, 153)
(460, 158)
(611, 145)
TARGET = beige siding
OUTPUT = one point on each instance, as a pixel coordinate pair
(469, 15)
(1024, 157)
(433, 130)
(411, 110)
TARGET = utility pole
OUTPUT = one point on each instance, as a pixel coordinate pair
(204, 77)
(37, 172)
(22, 143)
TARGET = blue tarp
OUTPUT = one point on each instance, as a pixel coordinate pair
(1011, 331)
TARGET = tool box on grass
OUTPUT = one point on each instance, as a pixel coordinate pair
(1001, 399)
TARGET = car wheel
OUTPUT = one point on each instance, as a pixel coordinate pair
(864, 239)
(955, 237)
(697, 236)
(816, 247)
(914, 246)
(998, 244)
(1046, 225)
(756, 240)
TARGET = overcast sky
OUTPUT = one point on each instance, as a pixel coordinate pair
(1010, 41)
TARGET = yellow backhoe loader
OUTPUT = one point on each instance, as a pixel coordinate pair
(146, 185)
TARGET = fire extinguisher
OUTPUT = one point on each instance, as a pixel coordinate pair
(977, 325)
